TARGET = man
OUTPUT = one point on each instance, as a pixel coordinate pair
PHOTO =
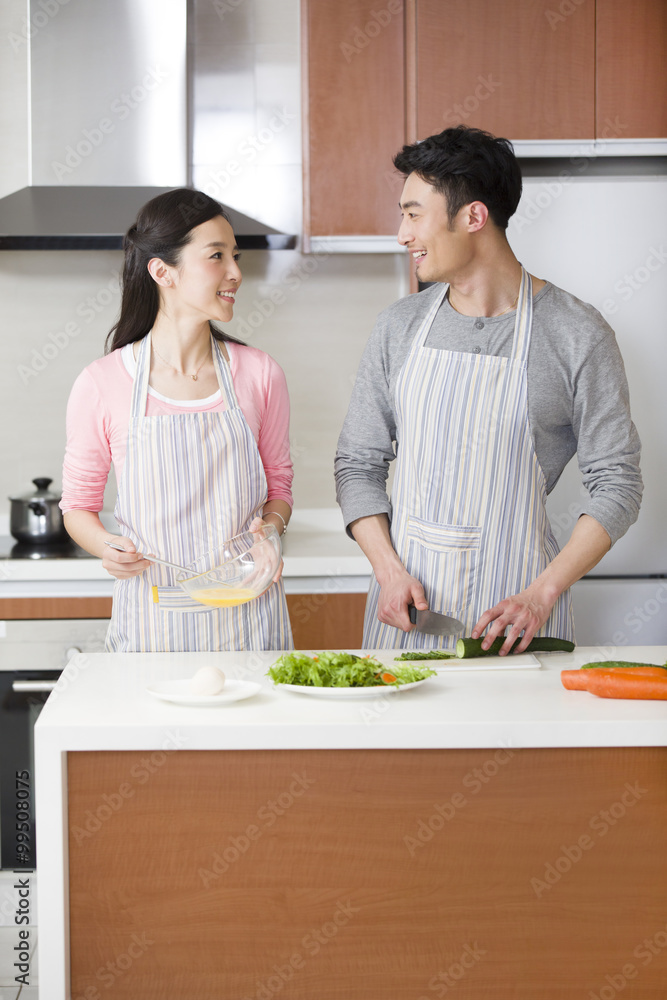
(485, 384)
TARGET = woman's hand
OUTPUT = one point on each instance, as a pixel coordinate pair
(260, 556)
(123, 564)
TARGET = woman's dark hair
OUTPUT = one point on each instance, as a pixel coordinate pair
(467, 164)
(163, 227)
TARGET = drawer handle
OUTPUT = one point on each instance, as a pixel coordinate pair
(45, 686)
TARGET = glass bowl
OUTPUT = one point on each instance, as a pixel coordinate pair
(236, 573)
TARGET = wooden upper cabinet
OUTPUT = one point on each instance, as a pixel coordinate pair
(516, 68)
(354, 101)
(631, 69)
(380, 73)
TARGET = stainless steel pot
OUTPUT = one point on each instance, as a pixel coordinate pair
(36, 517)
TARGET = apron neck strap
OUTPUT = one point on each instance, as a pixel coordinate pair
(427, 322)
(224, 374)
(524, 319)
(140, 386)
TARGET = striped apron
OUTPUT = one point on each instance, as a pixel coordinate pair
(190, 482)
(469, 499)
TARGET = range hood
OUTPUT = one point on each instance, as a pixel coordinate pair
(108, 126)
(96, 218)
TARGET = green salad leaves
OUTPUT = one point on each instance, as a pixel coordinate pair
(332, 669)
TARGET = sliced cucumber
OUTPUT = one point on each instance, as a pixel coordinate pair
(432, 654)
(466, 648)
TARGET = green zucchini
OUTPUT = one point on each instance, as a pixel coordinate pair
(432, 654)
(466, 648)
(619, 665)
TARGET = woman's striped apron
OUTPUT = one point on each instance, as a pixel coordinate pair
(468, 504)
(190, 482)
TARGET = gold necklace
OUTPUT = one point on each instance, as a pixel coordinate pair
(509, 308)
(174, 368)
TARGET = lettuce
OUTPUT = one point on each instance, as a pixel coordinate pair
(331, 669)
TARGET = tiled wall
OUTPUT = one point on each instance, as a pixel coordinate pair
(57, 307)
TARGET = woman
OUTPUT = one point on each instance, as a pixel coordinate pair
(196, 425)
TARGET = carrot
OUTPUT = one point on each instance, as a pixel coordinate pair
(387, 678)
(577, 680)
(639, 671)
(626, 684)
(574, 680)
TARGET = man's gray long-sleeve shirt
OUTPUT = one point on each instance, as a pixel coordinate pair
(578, 401)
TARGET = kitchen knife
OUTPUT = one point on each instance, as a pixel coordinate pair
(434, 624)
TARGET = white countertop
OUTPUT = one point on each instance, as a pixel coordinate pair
(103, 705)
(315, 547)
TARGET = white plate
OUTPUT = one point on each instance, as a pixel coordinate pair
(343, 693)
(179, 693)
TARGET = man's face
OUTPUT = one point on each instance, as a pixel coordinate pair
(439, 251)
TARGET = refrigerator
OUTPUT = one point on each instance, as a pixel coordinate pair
(602, 235)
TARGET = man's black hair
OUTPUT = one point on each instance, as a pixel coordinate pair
(467, 164)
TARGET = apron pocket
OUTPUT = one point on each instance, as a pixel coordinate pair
(175, 599)
(444, 558)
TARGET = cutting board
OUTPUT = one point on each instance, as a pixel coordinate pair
(515, 661)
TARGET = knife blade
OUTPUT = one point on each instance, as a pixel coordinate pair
(432, 623)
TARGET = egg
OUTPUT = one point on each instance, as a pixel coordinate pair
(207, 681)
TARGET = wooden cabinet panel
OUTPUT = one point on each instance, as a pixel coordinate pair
(330, 874)
(354, 80)
(327, 621)
(35, 608)
(631, 77)
(516, 68)
(319, 621)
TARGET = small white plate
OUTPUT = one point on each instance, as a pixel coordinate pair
(179, 693)
(343, 693)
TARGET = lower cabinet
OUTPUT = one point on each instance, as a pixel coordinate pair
(319, 621)
(327, 621)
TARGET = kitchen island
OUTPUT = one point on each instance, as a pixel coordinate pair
(487, 832)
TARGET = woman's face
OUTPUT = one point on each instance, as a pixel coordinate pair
(206, 281)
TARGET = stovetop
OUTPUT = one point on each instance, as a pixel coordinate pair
(11, 549)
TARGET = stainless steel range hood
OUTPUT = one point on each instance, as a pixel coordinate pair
(108, 110)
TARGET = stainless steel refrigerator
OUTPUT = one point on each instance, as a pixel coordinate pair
(603, 236)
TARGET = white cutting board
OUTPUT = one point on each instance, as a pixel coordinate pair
(515, 661)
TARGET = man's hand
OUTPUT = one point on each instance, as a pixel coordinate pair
(397, 588)
(530, 609)
(396, 594)
(525, 612)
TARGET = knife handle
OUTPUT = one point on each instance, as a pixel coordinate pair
(412, 611)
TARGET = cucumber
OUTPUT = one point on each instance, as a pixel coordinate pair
(432, 654)
(619, 665)
(540, 644)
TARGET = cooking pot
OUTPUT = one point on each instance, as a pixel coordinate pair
(36, 517)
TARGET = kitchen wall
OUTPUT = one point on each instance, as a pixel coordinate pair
(56, 307)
